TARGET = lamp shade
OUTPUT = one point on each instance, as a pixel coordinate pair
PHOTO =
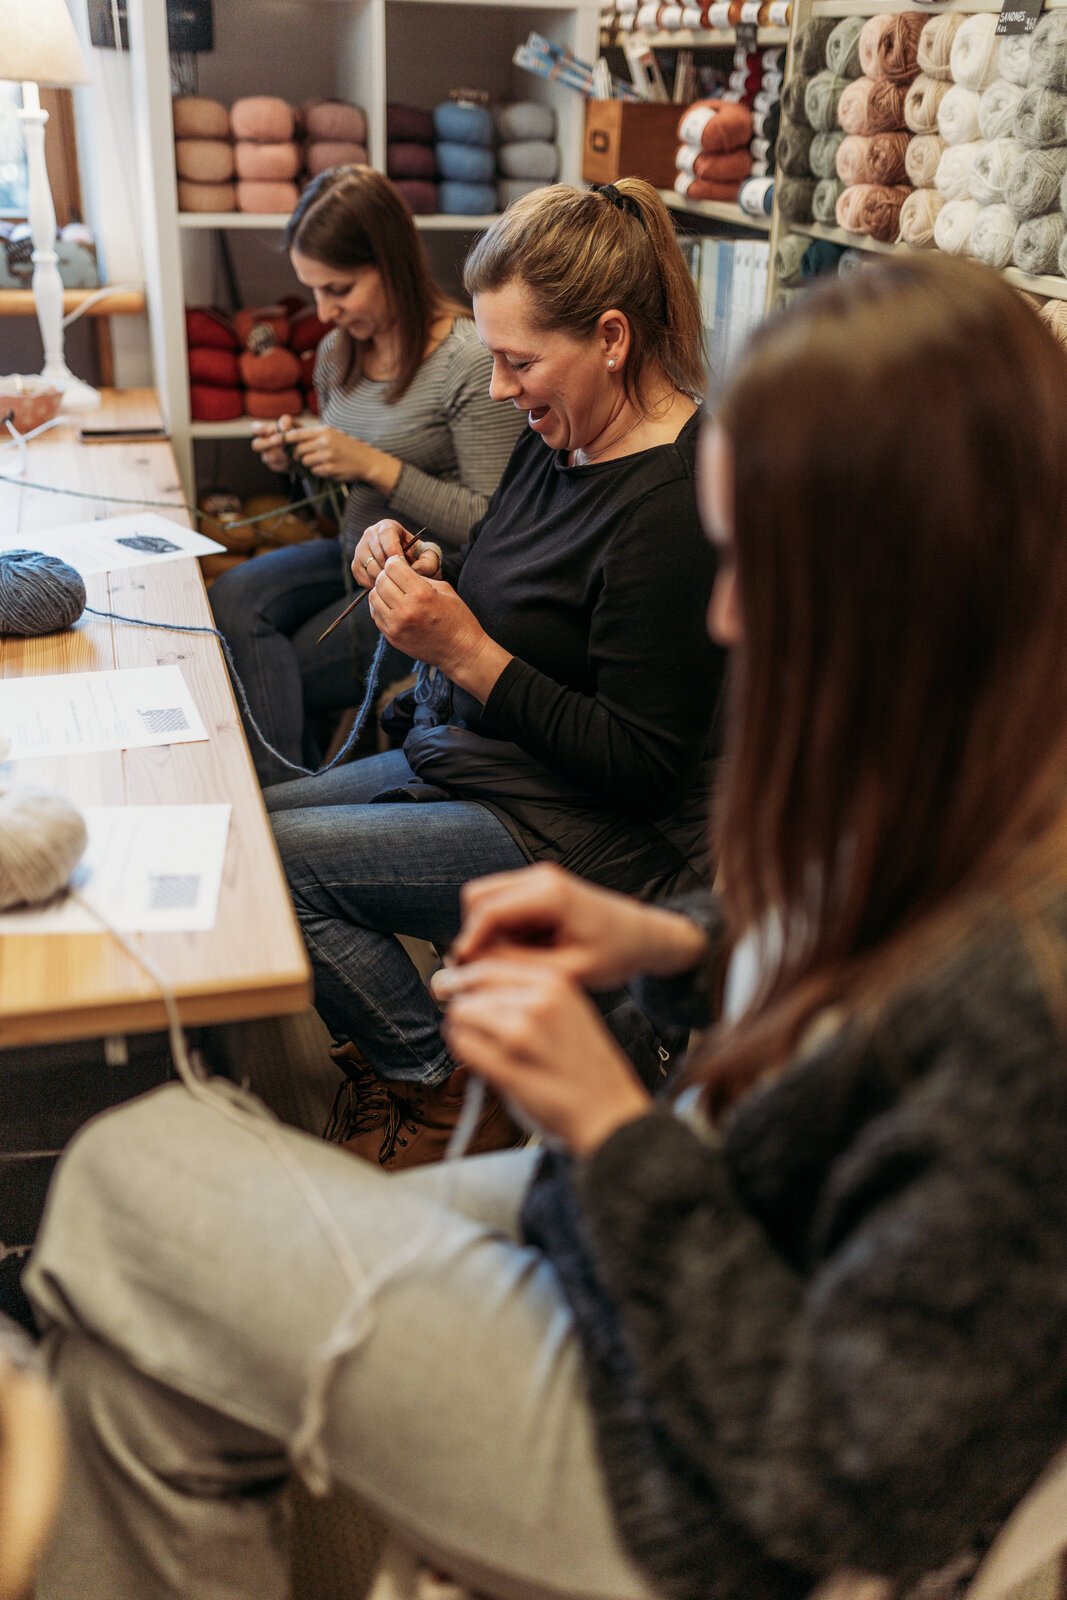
(38, 44)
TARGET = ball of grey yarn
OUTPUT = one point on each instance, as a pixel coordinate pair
(1048, 51)
(1034, 185)
(793, 94)
(843, 48)
(38, 593)
(42, 839)
(824, 201)
(794, 198)
(993, 236)
(1062, 260)
(524, 119)
(997, 106)
(821, 98)
(793, 149)
(993, 166)
(1014, 61)
(809, 48)
(1041, 117)
(1037, 244)
(787, 259)
(824, 148)
(852, 261)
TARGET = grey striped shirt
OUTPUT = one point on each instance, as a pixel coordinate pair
(453, 440)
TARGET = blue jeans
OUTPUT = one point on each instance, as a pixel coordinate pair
(271, 612)
(360, 874)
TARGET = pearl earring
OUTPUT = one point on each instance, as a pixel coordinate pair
(611, 363)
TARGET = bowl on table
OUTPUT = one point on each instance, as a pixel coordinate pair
(27, 402)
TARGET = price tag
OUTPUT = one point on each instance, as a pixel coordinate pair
(1018, 16)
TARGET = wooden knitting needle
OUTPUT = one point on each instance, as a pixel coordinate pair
(363, 593)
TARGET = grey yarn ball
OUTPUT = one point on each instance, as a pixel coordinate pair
(793, 95)
(1041, 117)
(42, 839)
(821, 98)
(824, 148)
(997, 106)
(794, 198)
(1038, 242)
(1014, 60)
(843, 48)
(38, 593)
(993, 236)
(824, 201)
(787, 259)
(993, 166)
(793, 150)
(809, 48)
(1034, 185)
(1048, 51)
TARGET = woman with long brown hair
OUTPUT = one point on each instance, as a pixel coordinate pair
(808, 1316)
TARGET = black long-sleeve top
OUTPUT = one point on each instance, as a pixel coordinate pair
(592, 746)
(835, 1340)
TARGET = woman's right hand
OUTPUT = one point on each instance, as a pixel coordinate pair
(388, 538)
(594, 936)
(268, 441)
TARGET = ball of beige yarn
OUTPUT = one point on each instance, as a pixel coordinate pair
(42, 839)
(918, 215)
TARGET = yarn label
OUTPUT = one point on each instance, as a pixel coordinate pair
(1018, 16)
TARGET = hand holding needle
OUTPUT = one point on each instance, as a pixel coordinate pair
(363, 593)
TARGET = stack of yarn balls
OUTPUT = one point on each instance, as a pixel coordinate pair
(411, 155)
(713, 155)
(253, 156)
(756, 82)
(258, 363)
(479, 175)
(796, 181)
(870, 159)
(653, 16)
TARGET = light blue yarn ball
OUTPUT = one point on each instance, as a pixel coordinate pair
(38, 593)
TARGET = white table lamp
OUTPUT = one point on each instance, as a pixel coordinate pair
(38, 45)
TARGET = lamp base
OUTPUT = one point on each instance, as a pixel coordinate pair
(77, 395)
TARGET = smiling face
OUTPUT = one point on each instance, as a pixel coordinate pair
(564, 384)
(352, 298)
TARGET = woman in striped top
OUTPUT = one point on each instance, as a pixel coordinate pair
(406, 423)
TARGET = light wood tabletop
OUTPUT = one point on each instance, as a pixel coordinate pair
(253, 963)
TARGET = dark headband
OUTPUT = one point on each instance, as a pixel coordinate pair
(621, 202)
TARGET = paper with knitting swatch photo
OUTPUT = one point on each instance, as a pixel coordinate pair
(74, 713)
(146, 869)
(112, 543)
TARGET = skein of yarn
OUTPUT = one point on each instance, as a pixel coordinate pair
(38, 593)
(921, 158)
(821, 100)
(42, 838)
(975, 51)
(873, 158)
(793, 149)
(1014, 63)
(993, 236)
(954, 224)
(823, 153)
(997, 106)
(793, 96)
(1038, 242)
(809, 47)
(1048, 51)
(935, 45)
(843, 48)
(957, 116)
(794, 198)
(787, 259)
(1034, 185)
(1041, 117)
(953, 176)
(1054, 315)
(993, 166)
(918, 215)
(888, 46)
(824, 201)
(871, 105)
(921, 104)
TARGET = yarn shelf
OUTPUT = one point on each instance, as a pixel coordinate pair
(1053, 288)
(879, 8)
(702, 38)
(716, 211)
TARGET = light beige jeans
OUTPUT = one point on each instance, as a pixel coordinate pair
(186, 1286)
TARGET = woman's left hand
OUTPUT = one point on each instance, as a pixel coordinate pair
(536, 1038)
(426, 618)
(328, 453)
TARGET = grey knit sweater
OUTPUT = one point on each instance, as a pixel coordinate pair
(838, 1339)
(453, 440)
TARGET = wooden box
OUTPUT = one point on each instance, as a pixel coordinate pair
(624, 139)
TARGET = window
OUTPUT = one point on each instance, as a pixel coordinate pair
(60, 154)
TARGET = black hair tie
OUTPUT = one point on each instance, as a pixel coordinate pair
(621, 202)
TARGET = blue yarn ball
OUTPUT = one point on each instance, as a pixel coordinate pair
(38, 593)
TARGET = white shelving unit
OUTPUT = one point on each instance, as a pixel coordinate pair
(369, 52)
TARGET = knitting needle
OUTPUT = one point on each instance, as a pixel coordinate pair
(363, 593)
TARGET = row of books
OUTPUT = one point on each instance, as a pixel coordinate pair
(731, 278)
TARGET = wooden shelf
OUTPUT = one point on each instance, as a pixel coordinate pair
(123, 303)
(439, 222)
(716, 211)
(1053, 288)
(707, 38)
(877, 8)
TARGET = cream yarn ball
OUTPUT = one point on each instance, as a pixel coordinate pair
(975, 51)
(957, 115)
(42, 839)
(953, 225)
(993, 236)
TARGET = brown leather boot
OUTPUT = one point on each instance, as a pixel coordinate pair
(421, 1122)
(362, 1103)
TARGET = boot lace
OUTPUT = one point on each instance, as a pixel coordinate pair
(362, 1102)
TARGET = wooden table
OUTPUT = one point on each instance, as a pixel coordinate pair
(253, 963)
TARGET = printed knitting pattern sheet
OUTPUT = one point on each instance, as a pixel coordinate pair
(74, 713)
(147, 869)
(141, 540)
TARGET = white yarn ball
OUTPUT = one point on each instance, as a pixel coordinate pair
(993, 166)
(953, 176)
(1014, 60)
(975, 51)
(42, 839)
(993, 236)
(953, 225)
(996, 108)
(957, 115)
